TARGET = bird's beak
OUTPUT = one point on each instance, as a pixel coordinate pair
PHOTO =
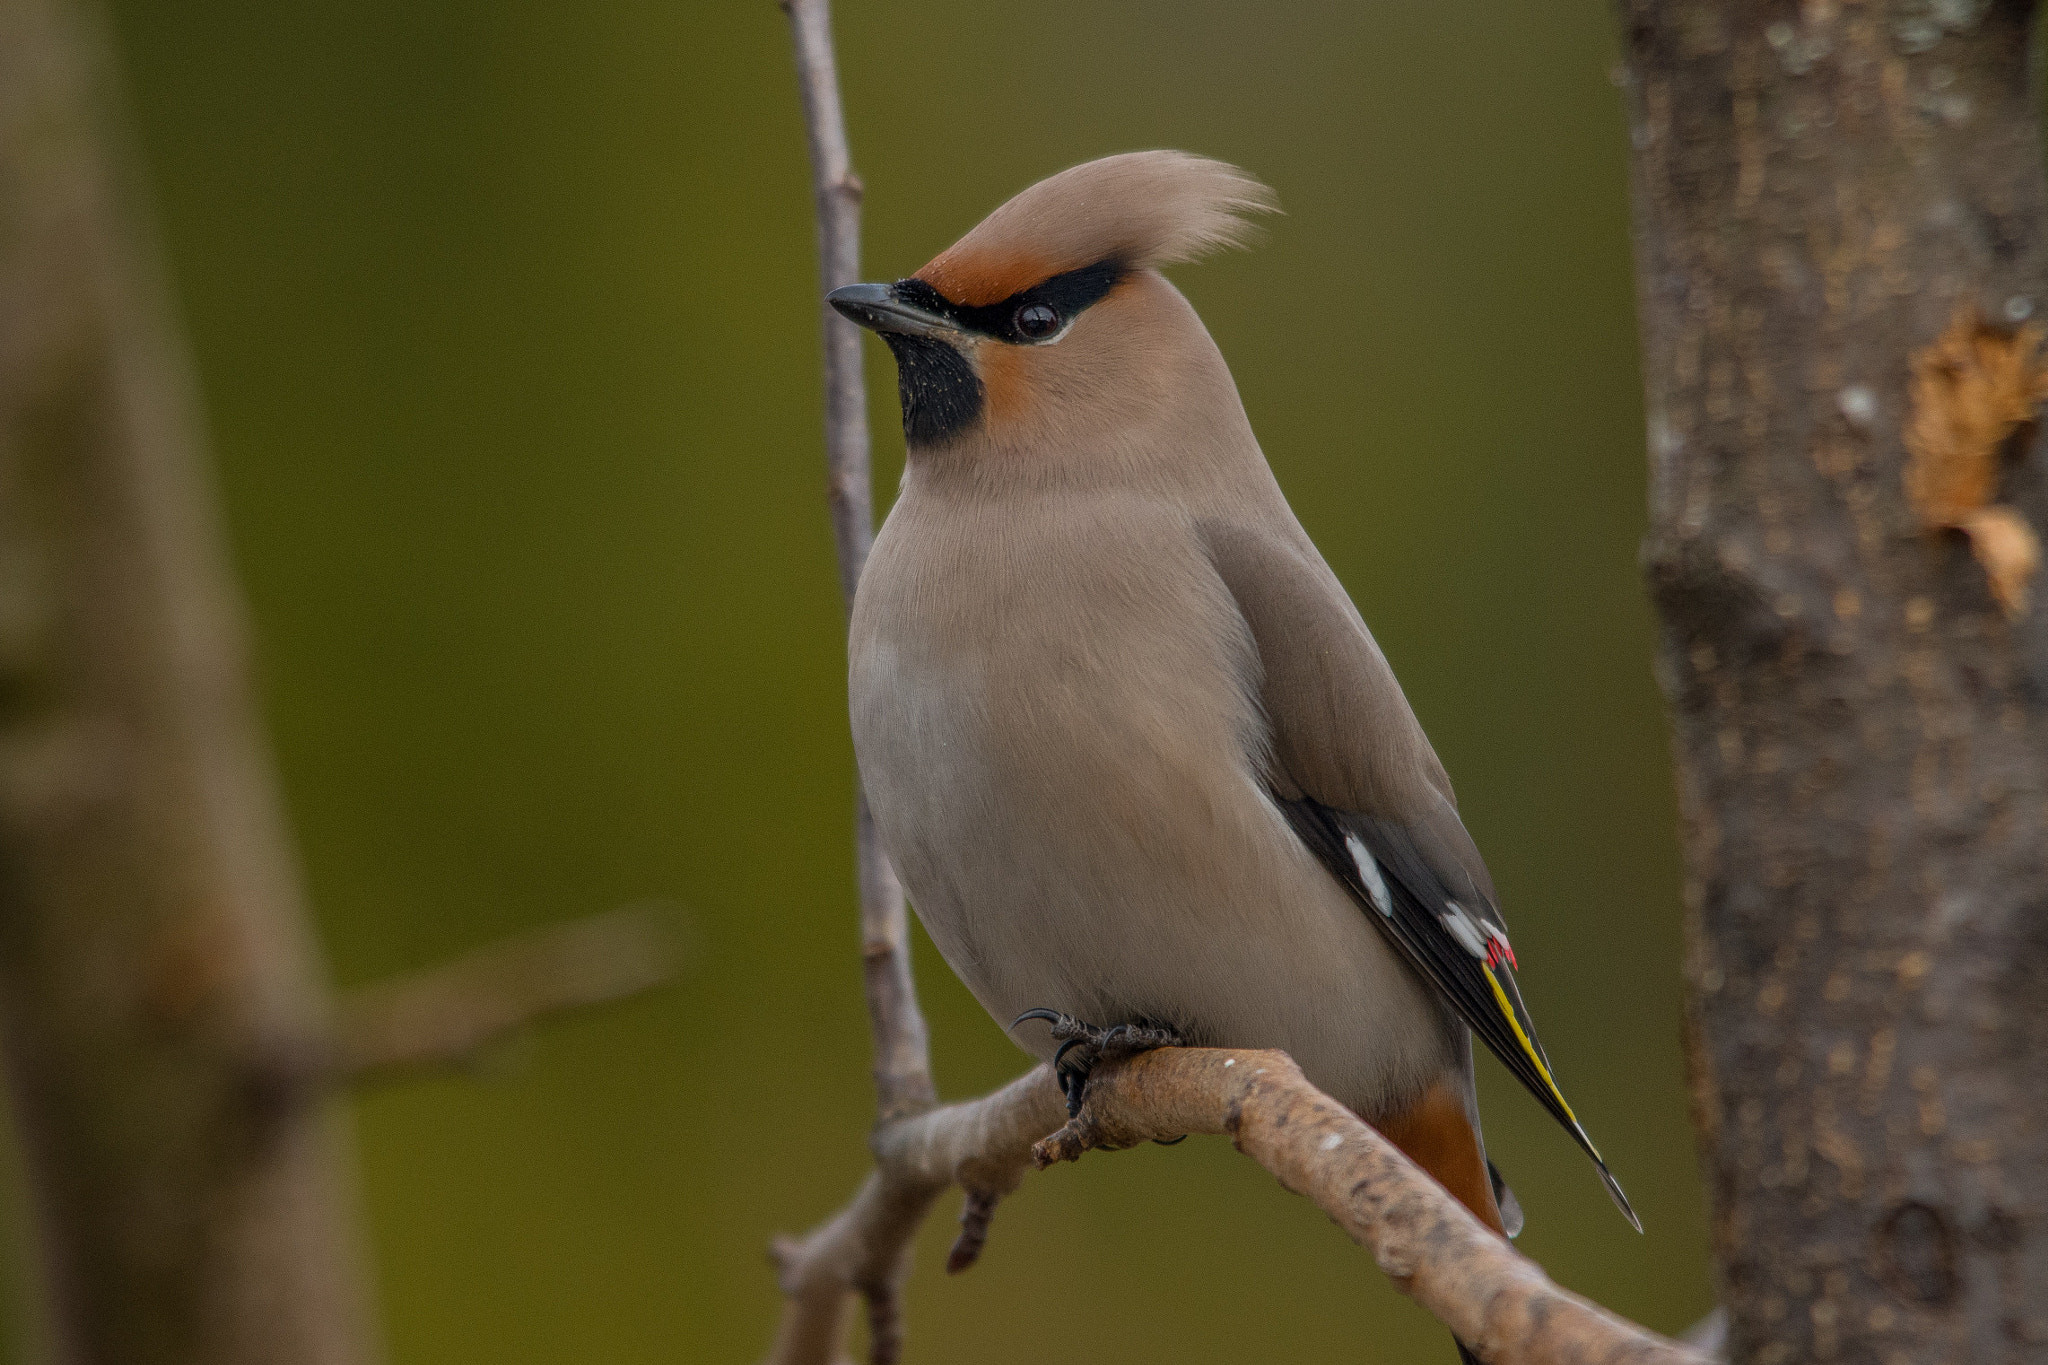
(876, 307)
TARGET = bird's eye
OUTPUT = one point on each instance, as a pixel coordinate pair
(1037, 320)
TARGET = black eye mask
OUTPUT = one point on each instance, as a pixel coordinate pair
(1016, 319)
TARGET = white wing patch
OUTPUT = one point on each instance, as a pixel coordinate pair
(1463, 929)
(1369, 871)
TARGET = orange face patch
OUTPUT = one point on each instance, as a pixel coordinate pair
(1005, 383)
(977, 279)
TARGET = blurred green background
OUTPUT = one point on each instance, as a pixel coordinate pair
(507, 319)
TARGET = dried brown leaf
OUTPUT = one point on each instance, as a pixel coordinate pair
(2009, 551)
(1972, 388)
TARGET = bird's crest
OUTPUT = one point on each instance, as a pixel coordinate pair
(1140, 209)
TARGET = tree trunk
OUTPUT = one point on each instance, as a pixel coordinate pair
(1861, 732)
(164, 1014)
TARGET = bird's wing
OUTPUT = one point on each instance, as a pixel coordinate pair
(1358, 781)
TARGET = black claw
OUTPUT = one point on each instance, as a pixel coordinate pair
(1171, 1142)
(1095, 1045)
(1073, 1085)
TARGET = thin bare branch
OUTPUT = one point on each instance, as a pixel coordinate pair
(903, 1073)
(444, 1016)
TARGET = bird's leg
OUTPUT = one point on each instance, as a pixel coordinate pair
(1083, 1045)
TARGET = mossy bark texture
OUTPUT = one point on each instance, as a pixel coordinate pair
(1861, 725)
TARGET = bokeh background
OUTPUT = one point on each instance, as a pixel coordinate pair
(507, 319)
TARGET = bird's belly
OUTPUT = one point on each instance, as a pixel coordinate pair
(1101, 847)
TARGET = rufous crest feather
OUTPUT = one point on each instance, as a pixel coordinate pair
(1141, 209)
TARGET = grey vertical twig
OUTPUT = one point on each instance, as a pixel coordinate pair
(903, 1079)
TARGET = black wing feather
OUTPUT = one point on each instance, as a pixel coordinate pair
(1410, 908)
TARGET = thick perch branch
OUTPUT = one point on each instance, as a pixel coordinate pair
(1493, 1298)
(446, 1015)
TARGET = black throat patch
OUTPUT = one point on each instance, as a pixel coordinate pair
(940, 392)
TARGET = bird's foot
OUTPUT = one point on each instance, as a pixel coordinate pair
(1083, 1045)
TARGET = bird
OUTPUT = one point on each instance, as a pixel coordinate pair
(1143, 771)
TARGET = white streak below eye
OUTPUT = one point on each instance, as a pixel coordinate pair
(1463, 929)
(1333, 1142)
(1369, 871)
(1230, 1061)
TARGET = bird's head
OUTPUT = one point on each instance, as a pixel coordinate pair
(1049, 322)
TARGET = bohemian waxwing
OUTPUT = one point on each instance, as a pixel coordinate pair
(1136, 757)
